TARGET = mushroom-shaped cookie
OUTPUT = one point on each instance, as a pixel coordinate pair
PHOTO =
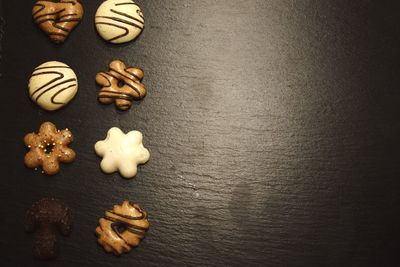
(121, 85)
(47, 217)
(48, 148)
(122, 228)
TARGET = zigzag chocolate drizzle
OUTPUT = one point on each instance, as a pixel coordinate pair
(119, 19)
(57, 18)
(120, 85)
(52, 84)
(119, 230)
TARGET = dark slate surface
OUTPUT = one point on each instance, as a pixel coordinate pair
(273, 128)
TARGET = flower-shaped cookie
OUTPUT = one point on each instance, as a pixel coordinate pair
(122, 152)
(121, 85)
(48, 148)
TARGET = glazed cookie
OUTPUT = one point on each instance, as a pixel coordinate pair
(121, 85)
(122, 228)
(48, 148)
(57, 18)
(47, 217)
(119, 21)
(122, 152)
(53, 85)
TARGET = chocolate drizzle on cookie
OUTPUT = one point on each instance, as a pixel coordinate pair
(118, 223)
(57, 18)
(55, 82)
(120, 85)
(123, 23)
(122, 228)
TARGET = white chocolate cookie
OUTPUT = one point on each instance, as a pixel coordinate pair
(122, 152)
(53, 85)
(119, 21)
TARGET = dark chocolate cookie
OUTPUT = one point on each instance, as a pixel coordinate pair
(46, 217)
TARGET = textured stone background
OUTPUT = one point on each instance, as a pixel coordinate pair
(273, 128)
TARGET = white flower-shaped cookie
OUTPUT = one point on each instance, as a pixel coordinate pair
(122, 152)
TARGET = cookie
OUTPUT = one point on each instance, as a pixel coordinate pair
(53, 85)
(47, 217)
(57, 18)
(122, 152)
(48, 148)
(122, 228)
(119, 21)
(121, 85)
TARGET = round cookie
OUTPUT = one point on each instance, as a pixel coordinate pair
(53, 85)
(119, 21)
(122, 228)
